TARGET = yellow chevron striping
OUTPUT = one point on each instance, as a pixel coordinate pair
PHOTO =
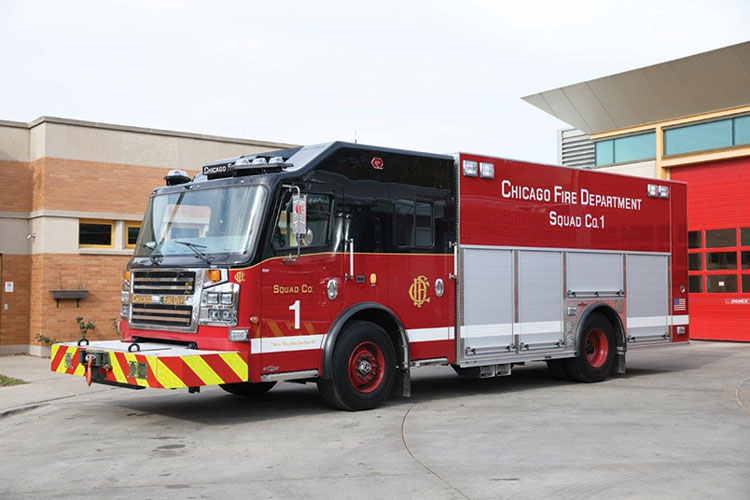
(53, 354)
(236, 363)
(80, 370)
(71, 351)
(154, 367)
(203, 370)
(117, 369)
(167, 378)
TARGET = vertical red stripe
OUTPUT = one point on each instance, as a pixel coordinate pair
(59, 355)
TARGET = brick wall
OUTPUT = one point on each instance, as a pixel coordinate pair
(96, 187)
(15, 195)
(14, 322)
(101, 275)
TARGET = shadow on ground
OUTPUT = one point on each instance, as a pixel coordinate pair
(289, 400)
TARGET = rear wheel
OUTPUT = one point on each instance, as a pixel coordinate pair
(596, 355)
(363, 368)
(253, 390)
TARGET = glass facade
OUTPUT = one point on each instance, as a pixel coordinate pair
(626, 149)
(717, 134)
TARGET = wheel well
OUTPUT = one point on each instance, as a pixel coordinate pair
(614, 320)
(387, 322)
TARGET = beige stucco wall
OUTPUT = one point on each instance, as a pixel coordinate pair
(14, 142)
(639, 169)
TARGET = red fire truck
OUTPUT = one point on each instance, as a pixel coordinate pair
(348, 265)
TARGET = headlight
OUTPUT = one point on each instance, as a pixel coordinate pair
(124, 311)
(219, 305)
(125, 297)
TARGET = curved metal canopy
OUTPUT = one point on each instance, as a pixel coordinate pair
(701, 83)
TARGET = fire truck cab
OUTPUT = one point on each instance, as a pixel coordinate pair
(348, 265)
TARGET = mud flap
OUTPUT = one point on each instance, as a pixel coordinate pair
(402, 387)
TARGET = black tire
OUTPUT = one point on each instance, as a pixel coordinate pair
(595, 360)
(557, 370)
(354, 390)
(248, 389)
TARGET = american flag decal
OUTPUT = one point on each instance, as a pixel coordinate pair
(679, 304)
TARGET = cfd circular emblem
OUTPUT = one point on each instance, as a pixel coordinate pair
(418, 291)
(239, 277)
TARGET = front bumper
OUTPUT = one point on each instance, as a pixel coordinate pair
(155, 365)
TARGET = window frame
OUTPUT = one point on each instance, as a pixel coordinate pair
(738, 272)
(287, 197)
(128, 225)
(100, 222)
(614, 140)
(414, 224)
(733, 136)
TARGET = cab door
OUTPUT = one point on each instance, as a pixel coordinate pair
(296, 308)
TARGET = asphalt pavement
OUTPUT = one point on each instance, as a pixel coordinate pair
(677, 425)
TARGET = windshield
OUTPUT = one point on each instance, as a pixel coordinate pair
(208, 224)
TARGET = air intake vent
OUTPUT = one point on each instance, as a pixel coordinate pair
(163, 282)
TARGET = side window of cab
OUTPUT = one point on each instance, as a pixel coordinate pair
(319, 210)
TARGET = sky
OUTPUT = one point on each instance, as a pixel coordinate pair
(432, 76)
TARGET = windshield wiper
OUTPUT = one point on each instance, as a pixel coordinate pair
(153, 256)
(194, 247)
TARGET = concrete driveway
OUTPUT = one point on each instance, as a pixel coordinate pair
(676, 426)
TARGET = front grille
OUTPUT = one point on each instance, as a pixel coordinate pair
(164, 282)
(162, 315)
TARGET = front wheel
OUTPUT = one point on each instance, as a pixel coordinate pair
(363, 368)
(596, 352)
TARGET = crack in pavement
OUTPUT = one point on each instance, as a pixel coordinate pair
(737, 394)
(426, 467)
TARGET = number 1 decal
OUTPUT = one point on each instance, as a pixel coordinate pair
(295, 307)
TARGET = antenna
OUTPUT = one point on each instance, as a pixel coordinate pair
(355, 136)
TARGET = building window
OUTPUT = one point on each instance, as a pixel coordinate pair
(746, 283)
(721, 260)
(626, 149)
(721, 283)
(719, 238)
(694, 239)
(745, 236)
(95, 234)
(694, 262)
(718, 134)
(131, 233)
(695, 284)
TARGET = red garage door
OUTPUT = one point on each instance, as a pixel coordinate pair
(719, 248)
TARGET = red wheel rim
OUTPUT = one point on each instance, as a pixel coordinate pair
(597, 347)
(366, 367)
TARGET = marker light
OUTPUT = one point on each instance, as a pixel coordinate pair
(653, 190)
(126, 275)
(663, 191)
(213, 275)
(260, 161)
(470, 168)
(276, 160)
(487, 170)
(238, 335)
